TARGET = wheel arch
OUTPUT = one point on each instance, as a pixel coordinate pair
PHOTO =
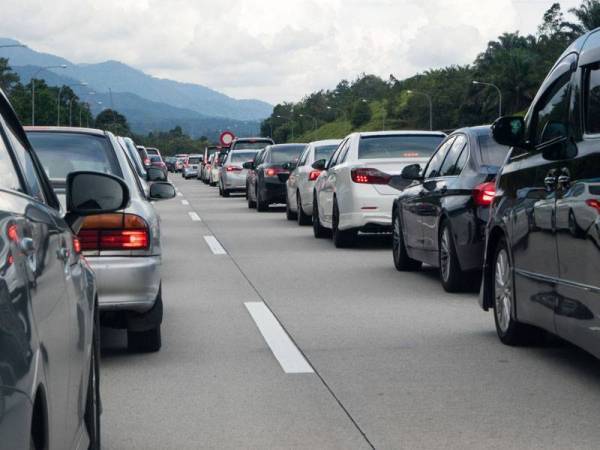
(495, 234)
(39, 419)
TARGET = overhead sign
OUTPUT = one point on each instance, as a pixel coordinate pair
(226, 138)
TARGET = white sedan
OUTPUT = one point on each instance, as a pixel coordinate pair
(301, 182)
(352, 194)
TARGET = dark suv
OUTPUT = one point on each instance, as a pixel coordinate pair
(543, 239)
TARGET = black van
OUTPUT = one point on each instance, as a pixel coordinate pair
(543, 240)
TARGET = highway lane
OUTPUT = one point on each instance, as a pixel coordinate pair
(399, 363)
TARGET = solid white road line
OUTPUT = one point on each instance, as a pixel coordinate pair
(214, 245)
(194, 216)
(289, 357)
(185, 202)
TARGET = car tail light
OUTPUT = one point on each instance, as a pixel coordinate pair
(273, 171)
(76, 245)
(147, 161)
(313, 175)
(484, 194)
(233, 169)
(593, 203)
(369, 176)
(114, 232)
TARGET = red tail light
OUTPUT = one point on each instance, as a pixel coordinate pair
(147, 161)
(76, 245)
(369, 176)
(313, 175)
(484, 194)
(593, 203)
(114, 232)
(273, 171)
(233, 169)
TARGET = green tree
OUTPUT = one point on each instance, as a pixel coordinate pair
(361, 113)
(588, 16)
(8, 78)
(113, 121)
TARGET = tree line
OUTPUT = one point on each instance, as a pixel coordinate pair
(516, 64)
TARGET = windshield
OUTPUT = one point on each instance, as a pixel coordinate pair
(195, 160)
(155, 158)
(242, 157)
(324, 151)
(251, 145)
(63, 153)
(285, 153)
(398, 146)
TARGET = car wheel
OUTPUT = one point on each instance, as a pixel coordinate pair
(319, 230)
(220, 190)
(225, 193)
(92, 405)
(303, 219)
(341, 238)
(402, 261)
(146, 341)
(450, 273)
(261, 205)
(251, 203)
(289, 214)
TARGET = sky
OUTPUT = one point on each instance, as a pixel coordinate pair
(273, 50)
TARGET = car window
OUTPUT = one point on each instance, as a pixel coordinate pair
(398, 146)
(344, 153)
(304, 156)
(492, 153)
(334, 157)
(324, 151)
(250, 145)
(194, 160)
(34, 187)
(284, 153)
(435, 163)
(9, 178)
(453, 164)
(241, 157)
(551, 114)
(260, 157)
(592, 106)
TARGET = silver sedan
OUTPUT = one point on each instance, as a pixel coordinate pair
(232, 177)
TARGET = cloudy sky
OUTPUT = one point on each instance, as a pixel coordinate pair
(274, 50)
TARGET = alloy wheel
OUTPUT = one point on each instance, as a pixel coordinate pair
(445, 259)
(503, 290)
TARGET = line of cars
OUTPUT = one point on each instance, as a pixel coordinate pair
(79, 247)
(514, 207)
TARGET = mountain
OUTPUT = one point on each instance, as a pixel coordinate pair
(121, 78)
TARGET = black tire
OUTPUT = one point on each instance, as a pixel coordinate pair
(319, 231)
(146, 341)
(226, 193)
(93, 404)
(220, 190)
(289, 214)
(341, 238)
(402, 261)
(261, 205)
(451, 275)
(510, 331)
(301, 216)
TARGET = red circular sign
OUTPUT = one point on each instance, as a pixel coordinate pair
(226, 138)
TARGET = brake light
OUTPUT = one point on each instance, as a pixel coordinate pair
(76, 245)
(313, 175)
(147, 161)
(114, 232)
(369, 176)
(233, 169)
(484, 194)
(272, 171)
(593, 203)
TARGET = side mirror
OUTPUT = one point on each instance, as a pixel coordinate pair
(320, 164)
(155, 174)
(91, 193)
(248, 165)
(509, 131)
(412, 172)
(162, 191)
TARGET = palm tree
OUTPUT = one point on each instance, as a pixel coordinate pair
(588, 16)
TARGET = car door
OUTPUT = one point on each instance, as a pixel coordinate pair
(298, 175)
(252, 176)
(329, 183)
(578, 223)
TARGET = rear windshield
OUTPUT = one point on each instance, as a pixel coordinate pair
(324, 151)
(195, 160)
(285, 153)
(492, 153)
(248, 145)
(63, 153)
(594, 189)
(154, 158)
(152, 151)
(398, 146)
(242, 157)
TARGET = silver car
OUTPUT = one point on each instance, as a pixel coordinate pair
(191, 166)
(123, 248)
(232, 177)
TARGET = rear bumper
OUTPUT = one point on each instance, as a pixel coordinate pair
(274, 192)
(366, 210)
(235, 181)
(126, 283)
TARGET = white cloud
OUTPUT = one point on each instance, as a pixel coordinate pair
(275, 50)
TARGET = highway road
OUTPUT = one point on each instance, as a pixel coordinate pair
(273, 339)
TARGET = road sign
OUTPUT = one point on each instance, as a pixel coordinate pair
(226, 138)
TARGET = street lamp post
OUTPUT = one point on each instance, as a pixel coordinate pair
(290, 120)
(62, 66)
(331, 108)
(58, 100)
(481, 83)
(310, 117)
(430, 106)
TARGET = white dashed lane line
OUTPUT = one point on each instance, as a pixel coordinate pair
(214, 245)
(185, 202)
(179, 194)
(194, 216)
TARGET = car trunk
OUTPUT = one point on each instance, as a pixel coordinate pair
(391, 166)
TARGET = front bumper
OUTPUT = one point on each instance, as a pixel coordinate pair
(126, 283)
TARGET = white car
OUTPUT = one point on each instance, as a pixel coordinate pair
(353, 193)
(300, 184)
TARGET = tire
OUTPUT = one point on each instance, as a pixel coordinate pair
(289, 214)
(93, 405)
(341, 238)
(319, 231)
(261, 205)
(226, 193)
(303, 219)
(147, 341)
(402, 261)
(451, 275)
(251, 203)
(510, 331)
(220, 190)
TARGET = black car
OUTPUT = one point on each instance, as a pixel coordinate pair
(543, 239)
(267, 174)
(49, 334)
(440, 219)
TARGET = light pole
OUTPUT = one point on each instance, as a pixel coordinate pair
(62, 66)
(331, 108)
(310, 117)
(84, 103)
(481, 83)
(58, 100)
(290, 120)
(430, 106)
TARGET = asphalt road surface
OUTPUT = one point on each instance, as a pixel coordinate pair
(361, 356)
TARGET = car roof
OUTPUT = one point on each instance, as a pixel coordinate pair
(260, 139)
(77, 130)
(400, 133)
(326, 142)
